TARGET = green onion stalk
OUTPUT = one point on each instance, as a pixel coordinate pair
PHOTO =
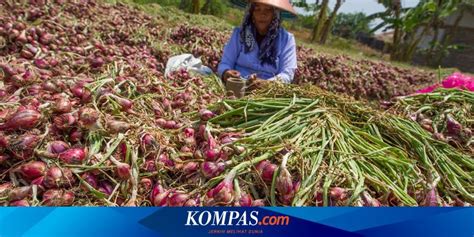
(343, 152)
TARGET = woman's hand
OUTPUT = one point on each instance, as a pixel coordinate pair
(255, 83)
(231, 73)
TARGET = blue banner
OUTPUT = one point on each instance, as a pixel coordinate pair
(195, 222)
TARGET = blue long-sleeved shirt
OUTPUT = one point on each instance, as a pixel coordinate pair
(235, 58)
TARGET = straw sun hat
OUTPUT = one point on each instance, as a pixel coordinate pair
(287, 12)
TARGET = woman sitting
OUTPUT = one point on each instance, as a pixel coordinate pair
(261, 49)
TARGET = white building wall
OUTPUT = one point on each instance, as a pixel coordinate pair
(467, 20)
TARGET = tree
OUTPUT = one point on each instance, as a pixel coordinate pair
(439, 48)
(329, 22)
(323, 23)
(322, 17)
(210, 7)
(348, 25)
(411, 25)
(213, 7)
(196, 6)
(191, 6)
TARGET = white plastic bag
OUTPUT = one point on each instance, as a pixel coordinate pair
(188, 62)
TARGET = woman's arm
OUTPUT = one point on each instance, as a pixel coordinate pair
(287, 61)
(231, 52)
